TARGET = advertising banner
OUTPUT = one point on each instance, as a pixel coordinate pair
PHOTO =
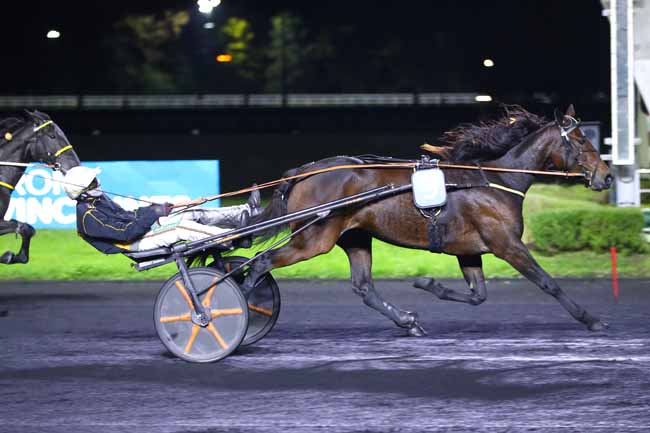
(39, 198)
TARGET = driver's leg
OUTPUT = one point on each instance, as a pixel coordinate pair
(166, 235)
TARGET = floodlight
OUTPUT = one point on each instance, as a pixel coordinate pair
(206, 6)
(483, 98)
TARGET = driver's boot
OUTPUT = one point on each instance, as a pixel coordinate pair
(244, 221)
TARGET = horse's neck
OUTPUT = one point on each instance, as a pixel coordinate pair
(531, 154)
(12, 153)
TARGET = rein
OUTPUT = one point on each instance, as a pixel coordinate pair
(402, 165)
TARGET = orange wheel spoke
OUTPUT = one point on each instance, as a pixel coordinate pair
(260, 310)
(171, 319)
(190, 343)
(217, 336)
(226, 312)
(208, 296)
(181, 288)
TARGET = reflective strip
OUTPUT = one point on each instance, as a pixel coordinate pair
(39, 127)
(6, 185)
(501, 187)
(123, 246)
(63, 149)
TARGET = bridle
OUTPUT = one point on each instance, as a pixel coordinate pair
(51, 159)
(579, 158)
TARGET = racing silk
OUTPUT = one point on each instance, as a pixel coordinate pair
(106, 226)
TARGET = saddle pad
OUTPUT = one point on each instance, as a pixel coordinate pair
(429, 188)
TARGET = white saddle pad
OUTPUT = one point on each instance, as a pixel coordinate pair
(429, 188)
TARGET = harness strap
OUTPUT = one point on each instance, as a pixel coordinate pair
(6, 185)
(63, 149)
(505, 188)
(43, 125)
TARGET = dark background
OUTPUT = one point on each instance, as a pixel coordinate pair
(547, 54)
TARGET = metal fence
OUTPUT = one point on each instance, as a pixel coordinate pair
(212, 101)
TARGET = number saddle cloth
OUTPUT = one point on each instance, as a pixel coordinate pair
(429, 196)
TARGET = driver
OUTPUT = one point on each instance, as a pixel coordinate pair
(109, 228)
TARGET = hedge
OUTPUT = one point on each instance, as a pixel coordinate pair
(588, 229)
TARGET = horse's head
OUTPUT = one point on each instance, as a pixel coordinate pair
(574, 153)
(47, 143)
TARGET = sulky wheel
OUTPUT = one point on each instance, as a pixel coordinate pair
(263, 303)
(189, 341)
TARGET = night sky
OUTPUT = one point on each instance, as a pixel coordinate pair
(552, 46)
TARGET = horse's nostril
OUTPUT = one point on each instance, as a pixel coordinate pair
(608, 180)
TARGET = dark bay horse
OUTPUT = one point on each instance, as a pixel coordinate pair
(474, 221)
(32, 138)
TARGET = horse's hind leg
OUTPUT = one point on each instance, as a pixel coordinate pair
(317, 239)
(472, 268)
(26, 232)
(357, 246)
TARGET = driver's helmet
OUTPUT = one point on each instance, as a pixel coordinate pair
(80, 179)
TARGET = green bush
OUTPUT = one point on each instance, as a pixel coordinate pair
(588, 229)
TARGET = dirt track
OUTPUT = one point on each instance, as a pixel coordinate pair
(77, 355)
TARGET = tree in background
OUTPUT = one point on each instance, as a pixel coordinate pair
(239, 43)
(292, 52)
(146, 57)
(286, 52)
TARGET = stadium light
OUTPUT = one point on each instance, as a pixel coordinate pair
(483, 98)
(209, 25)
(488, 63)
(53, 34)
(224, 58)
(206, 6)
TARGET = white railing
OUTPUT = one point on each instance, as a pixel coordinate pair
(640, 173)
(196, 101)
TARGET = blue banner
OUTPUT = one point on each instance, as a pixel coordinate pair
(39, 198)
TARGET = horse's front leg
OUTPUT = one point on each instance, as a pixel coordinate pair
(516, 253)
(26, 232)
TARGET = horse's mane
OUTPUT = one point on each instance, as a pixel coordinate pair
(11, 124)
(490, 139)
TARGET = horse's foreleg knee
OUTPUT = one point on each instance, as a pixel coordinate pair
(25, 231)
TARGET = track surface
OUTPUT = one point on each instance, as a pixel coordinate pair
(77, 355)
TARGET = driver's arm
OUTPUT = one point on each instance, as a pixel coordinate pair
(97, 224)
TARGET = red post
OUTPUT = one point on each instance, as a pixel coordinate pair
(612, 251)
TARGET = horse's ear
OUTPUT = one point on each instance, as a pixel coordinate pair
(559, 117)
(571, 111)
(41, 115)
(30, 115)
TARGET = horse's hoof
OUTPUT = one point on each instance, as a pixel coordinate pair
(423, 282)
(7, 258)
(598, 325)
(416, 330)
(410, 322)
